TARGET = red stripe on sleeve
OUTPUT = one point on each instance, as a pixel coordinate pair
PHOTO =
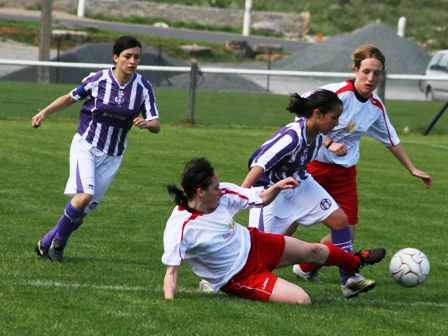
(378, 104)
(228, 191)
(193, 216)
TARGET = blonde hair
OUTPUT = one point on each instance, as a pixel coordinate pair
(367, 51)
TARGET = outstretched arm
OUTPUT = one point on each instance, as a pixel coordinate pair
(56, 105)
(268, 195)
(399, 152)
(169, 282)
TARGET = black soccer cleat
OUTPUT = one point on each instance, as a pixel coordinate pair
(41, 250)
(370, 256)
(56, 251)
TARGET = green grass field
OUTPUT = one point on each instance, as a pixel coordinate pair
(111, 280)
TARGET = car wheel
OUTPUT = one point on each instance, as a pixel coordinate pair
(429, 95)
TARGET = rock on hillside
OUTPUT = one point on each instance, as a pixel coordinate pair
(403, 56)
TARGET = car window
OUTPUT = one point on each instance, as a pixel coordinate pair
(433, 64)
(444, 60)
(439, 62)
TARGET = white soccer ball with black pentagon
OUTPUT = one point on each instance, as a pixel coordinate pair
(409, 267)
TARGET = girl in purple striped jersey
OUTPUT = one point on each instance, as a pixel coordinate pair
(287, 153)
(115, 99)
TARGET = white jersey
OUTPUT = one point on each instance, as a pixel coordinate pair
(358, 117)
(214, 245)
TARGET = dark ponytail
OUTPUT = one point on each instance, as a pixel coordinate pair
(179, 197)
(197, 173)
(324, 100)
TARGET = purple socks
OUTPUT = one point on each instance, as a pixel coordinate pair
(343, 239)
(68, 222)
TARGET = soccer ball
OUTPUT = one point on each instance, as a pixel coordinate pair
(409, 267)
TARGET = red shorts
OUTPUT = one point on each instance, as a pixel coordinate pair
(256, 280)
(340, 182)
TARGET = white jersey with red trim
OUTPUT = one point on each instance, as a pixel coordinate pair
(358, 118)
(213, 244)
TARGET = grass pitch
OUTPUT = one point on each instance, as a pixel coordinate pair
(111, 279)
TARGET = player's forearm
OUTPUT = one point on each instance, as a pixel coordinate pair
(58, 104)
(154, 126)
(169, 283)
(252, 177)
(268, 195)
(401, 155)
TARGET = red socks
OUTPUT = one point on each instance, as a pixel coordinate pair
(342, 258)
(336, 257)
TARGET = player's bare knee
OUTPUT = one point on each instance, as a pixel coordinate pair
(337, 220)
(81, 200)
(318, 253)
(318, 250)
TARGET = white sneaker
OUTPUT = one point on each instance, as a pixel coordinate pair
(205, 287)
(356, 285)
(308, 276)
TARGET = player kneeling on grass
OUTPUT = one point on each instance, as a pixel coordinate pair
(231, 257)
(115, 98)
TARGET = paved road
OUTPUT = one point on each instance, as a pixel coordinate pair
(72, 21)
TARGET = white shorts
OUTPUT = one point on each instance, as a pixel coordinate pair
(91, 171)
(307, 204)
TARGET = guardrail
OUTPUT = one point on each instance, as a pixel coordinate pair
(195, 71)
(234, 71)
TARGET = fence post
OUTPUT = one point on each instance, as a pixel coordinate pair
(382, 88)
(43, 73)
(268, 78)
(194, 71)
(435, 119)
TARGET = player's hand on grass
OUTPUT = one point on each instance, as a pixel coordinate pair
(340, 149)
(426, 179)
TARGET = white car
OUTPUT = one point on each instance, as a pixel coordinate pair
(437, 67)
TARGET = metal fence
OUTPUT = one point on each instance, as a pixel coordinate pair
(395, 86)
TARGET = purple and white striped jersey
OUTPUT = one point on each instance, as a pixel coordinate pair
(286, 153)
(107, 114)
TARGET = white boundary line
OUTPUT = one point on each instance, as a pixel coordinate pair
(365, 300)
(411, 142)
(73, 285)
